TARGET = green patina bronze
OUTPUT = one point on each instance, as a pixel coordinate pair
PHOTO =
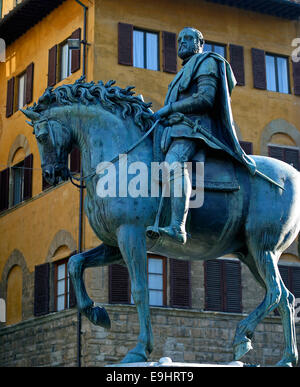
(251, 205)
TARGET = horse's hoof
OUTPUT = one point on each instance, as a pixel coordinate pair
(287, 361)
(134, 357)
(98, 316)
(241, 349)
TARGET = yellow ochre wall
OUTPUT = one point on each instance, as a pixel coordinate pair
(252, 109)
(31, 226)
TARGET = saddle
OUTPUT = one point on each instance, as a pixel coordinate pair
(219, 168)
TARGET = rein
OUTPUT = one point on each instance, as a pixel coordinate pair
(114, 159)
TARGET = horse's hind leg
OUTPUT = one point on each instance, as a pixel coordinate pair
(266, 263)
(132, 244)
(99, 256)
(286, 309)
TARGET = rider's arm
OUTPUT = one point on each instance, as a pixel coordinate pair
(200, 102)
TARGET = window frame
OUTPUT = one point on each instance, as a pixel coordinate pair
(21, 75)
(67, 280)
(60, 57)
(19, 166)
(213, 44)
(145, 32)
(275, 56)
(164, 280)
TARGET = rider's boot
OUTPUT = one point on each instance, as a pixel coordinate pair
(179, 208)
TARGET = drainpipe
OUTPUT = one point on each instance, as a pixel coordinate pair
(84, 42)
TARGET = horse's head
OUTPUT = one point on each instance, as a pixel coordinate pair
(54, 143)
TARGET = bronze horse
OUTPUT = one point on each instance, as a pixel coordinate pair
(256, 222)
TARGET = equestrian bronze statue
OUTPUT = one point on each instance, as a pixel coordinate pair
(251, 205)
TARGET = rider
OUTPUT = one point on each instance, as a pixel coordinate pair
(197, 108)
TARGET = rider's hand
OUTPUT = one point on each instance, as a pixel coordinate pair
(163, 112)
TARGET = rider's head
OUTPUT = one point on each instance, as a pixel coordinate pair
(190, 42)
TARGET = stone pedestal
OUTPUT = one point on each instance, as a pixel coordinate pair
(167, 362)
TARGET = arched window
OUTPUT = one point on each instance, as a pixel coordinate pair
(14, 295)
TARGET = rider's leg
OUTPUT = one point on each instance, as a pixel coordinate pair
(180, 151)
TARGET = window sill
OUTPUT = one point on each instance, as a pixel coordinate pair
(25, 202)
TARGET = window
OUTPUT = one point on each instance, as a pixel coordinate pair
(156, 277)
(53, 289)
(62, 286)
(145, 50)
(214, 47)
(62, 62)
(156, 281)
(18, 183)
(289, 155)
(277, 73)
(21, 90)
(222, 281)
(140, 48)
(65, 61)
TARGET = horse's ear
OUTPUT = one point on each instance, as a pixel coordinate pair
(30, 114)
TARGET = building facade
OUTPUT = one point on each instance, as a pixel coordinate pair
(195, 306)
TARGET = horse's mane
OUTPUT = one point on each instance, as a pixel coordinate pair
(110, 98)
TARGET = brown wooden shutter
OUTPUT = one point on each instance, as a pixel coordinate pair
(276, 152)
(75, 160)
(232, 287)
(213, 285)
(125, 44)
(237, 63)
(29, 83)
(292, 157)
(76, 54)
(296, 77)
(247, 147)
(259, 68)
(28, 165)
(41, 289)
(72, 296)
(169, 52)
(52, 66)
(4, 189)
(180, 284)
(10, 97)
(119, 284)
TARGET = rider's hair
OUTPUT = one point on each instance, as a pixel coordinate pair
(198, 34)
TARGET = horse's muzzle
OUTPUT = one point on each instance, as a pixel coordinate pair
(52, 174)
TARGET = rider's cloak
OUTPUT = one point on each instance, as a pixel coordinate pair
(224, 130)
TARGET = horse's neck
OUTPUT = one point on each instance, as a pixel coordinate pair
(105, 136)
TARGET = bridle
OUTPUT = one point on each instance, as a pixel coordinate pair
(113, 160)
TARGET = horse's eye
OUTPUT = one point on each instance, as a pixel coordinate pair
(43, 138)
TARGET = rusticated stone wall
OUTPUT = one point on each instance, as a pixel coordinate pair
(184, 335)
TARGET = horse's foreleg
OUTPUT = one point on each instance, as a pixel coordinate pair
(132, 244)
(267, 269)
(99, 256)
(286, 309)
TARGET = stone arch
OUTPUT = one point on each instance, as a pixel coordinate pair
(61, 238)
(16, 258)
(274, 127)
(20, 142)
